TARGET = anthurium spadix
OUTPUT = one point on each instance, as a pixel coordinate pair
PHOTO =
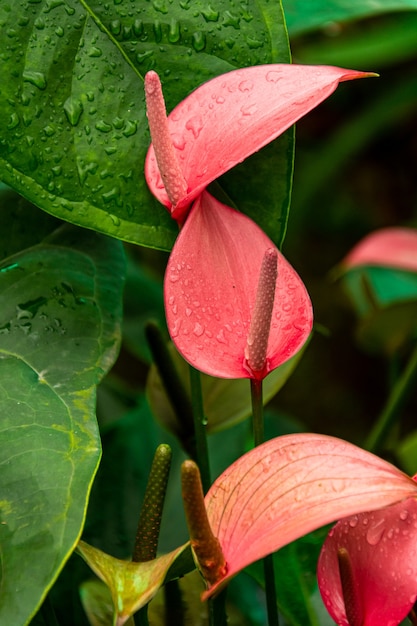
(289, 486)
(367, 569)
(214, 279)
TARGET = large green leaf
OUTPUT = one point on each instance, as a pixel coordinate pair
(74, 132)
(60, 311)
(304, 15)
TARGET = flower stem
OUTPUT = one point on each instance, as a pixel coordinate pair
(202, 456)
(396, 400)
(174, 388)
(268, 561)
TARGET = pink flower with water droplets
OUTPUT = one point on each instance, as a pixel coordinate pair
(293, 484)
(367, 570)
(215, 285)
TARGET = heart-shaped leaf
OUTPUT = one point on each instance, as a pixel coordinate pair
(290, 486)
(59, 333)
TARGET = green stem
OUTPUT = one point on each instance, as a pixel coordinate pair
(173, 386)
(268, 561)
(397, 398)
(141, 617)
(257, 411)
(174, 607)
(200, 429)
(217, 610)
(48, 613)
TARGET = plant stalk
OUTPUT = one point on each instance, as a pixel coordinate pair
(268, 561)
(200, 421)
(400, 393)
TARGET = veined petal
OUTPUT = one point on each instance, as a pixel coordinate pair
(382, 548)
(210, 290)
(388, 247)
(234, 115)
(291, 485)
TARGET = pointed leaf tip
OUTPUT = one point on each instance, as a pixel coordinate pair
(210, 289)
(234, 115)
(290, 486)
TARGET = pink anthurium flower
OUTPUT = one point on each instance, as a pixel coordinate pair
(388, 247)
(367, 569)
(289, 486)
(235, 308)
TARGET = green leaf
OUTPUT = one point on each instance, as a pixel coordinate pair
(75, 133)
(226, 401)
(384, 43)
(385, 301)
(406, 452)
(304, 15)
(132, 585)
(60, 317)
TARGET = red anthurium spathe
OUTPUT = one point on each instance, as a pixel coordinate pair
(210, 291)
(291, 485)
(367, 570)
(234, 115)
(389, 247)
(230, 312)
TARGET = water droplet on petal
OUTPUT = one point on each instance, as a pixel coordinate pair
(195, 124)
(375, 532)
(273, 76)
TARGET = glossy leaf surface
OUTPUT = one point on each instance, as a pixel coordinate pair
(74, 132)
(59, 334)
(210, 290)
(291, 485)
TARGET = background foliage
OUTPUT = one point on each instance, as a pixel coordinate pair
(82, 64)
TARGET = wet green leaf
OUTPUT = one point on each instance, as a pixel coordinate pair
(59, 334)
(75, 133)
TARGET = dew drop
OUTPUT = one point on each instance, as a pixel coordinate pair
(198, 330)
(174, 31)
(35, 78)
(375, 532)
(195, 124)
(273, 76)
(210, 14)
(248, 109)
(73, 109)
(404, 515)
(245, 85)
(199, 41)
